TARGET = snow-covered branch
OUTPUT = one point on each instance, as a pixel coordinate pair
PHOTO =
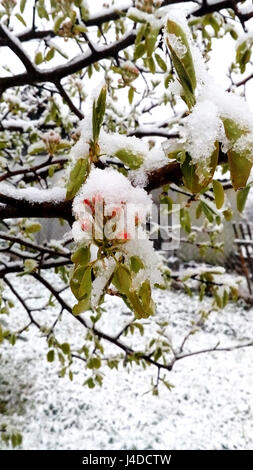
(56, 74)
(15, 45)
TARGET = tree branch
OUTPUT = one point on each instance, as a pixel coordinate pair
(56, 74)
(33, 169)
(19, 268)
(68, 100)
(33, 246)
(11, 207)
(22, 207)
(242, 82)
(15, 45)
(23, 303)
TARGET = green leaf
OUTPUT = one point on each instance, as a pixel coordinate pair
(51, 171)
(139, 51)
(243, 54)
(188, 290)
(42, 12)
(233, 130)
(77, 177)
(136, 264)
(130, 159)
(122, 279)
(242, 198)
(35, 149)
(161, 63)
(30, 265)
(209, 213)
(65, 348)
(239, 163)
(81, 306)
(19, 438)
(151, 41)
(184, 64)
(130, 95)
(58, 23)
(80, 282)
(136, 305)
(70, 375)
(81, 256)
(38, 58)
(151, 65)
(50, 355)
(90, 382)
(75, 280)
(50, 54)
(84, 11)
(32, 228)
(22, 5)
(190, 172)
(85, 284)
(136, 18)
(218, 194)
(94, 363)
(98, 113)
(140, 327)
(185, 220)
(140, 33)
(146, 300)
(21, 19)
(228, 214)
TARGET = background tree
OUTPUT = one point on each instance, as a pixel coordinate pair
(156, 65)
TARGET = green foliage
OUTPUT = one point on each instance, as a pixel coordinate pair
(183, 64)
(98, 114)
(141, 72)
(77, 177)
(191, 172)
(218, 193)
(243, 54)
(240, 162)
(130, 159)
(242, 198)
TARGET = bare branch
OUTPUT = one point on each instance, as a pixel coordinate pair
(242, 82)
(68, 100)
(19, 268)
(32, 245)
(34, 169)
(15, 45)
(23, 303)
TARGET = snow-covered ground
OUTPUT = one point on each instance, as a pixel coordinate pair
(211, 406)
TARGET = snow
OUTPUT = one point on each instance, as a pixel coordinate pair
(177, 45)
(230, 105)
(203, 127)
(13, 40)
(112, 142)
(151, 259)
(244, 145)
(113, 188)
(210, 406)
(108, 265)
(143, 17)
(122, 201)
(33, 194)
(245, 37)
(121, 6)
(20, 123)
(201, 130)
